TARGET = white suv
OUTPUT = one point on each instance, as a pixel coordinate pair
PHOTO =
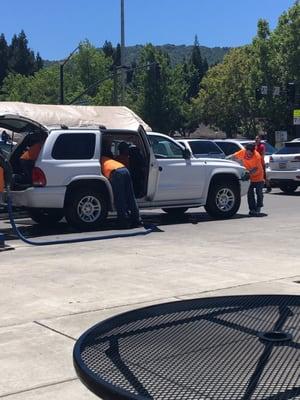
(284, 167)
(67, 180)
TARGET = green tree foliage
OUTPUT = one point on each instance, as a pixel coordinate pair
(227, 98)
(108, 49)
(154, 92)
(3, 58)
(39, 63)
(21, 58)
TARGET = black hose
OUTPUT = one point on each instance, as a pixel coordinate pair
(8, 181)
(147, 229)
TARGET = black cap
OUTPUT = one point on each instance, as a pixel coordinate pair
(250, 146)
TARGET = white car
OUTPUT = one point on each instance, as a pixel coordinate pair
(284, 167)
(230, 146)
(66, 179)
(202, 148)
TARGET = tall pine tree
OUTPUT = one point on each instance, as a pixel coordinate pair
(21, 58)
(108, 49)
(3, 58)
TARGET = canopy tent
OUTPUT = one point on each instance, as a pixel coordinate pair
(113, 117)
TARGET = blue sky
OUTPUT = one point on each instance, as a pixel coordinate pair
(55, 27)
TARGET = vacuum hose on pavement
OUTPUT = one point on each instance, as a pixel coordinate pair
(6, 174)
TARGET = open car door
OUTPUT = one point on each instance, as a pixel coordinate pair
(153, 167)
(32, 131)
(19, 124)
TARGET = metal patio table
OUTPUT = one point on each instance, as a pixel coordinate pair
(233, 348)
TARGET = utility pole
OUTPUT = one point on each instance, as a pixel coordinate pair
(61, 75)
(122, 54)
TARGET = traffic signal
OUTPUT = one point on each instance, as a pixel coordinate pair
(291, 92)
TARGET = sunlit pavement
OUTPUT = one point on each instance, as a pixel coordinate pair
(50, 295)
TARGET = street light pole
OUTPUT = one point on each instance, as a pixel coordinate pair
(122, 53)
(61, 75)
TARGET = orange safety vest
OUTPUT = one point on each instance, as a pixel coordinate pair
(1, 180)
(32, 153)
(254, 162)
(108, 165)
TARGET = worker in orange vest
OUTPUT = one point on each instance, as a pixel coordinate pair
(120, 179)
(28, 159)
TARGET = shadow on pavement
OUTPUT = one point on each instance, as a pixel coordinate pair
(32, 230)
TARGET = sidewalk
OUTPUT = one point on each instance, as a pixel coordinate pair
(50, 295)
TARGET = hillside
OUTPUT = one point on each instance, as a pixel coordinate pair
(177, 53)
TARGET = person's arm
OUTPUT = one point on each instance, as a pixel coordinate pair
(235, 157)
(231, 157)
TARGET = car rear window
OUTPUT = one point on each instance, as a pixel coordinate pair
(205, 147)
(290, 148)
(74, 146)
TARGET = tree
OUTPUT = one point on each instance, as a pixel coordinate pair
(3, 58)
(196, 58)
(108, 49)
(39, 63)
(21, 58)
(225, 100)
(87, 67)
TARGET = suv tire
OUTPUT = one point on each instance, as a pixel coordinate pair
(46, 216)
(288, 188)
(223, 199)
(86, 209)
(175, 212)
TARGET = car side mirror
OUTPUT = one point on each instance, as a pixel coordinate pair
(186, 154)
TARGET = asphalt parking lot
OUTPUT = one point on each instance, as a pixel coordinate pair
(51, 294)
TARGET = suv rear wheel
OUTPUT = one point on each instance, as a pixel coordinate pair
(46, 216)
(86, 209)
(223, 199)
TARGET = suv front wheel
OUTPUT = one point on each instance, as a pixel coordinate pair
(223, 199)
(86, 209)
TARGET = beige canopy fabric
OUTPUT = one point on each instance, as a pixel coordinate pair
(113, 117)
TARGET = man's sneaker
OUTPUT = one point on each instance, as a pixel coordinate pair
(137, 224)
(252, 213)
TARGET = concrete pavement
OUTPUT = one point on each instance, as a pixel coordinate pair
(50, 295)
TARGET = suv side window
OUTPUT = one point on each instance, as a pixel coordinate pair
(164, 148)
(74, 146)
(204, 147)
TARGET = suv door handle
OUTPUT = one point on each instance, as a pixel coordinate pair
(160, 168)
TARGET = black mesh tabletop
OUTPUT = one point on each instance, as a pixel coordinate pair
(233, 348)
